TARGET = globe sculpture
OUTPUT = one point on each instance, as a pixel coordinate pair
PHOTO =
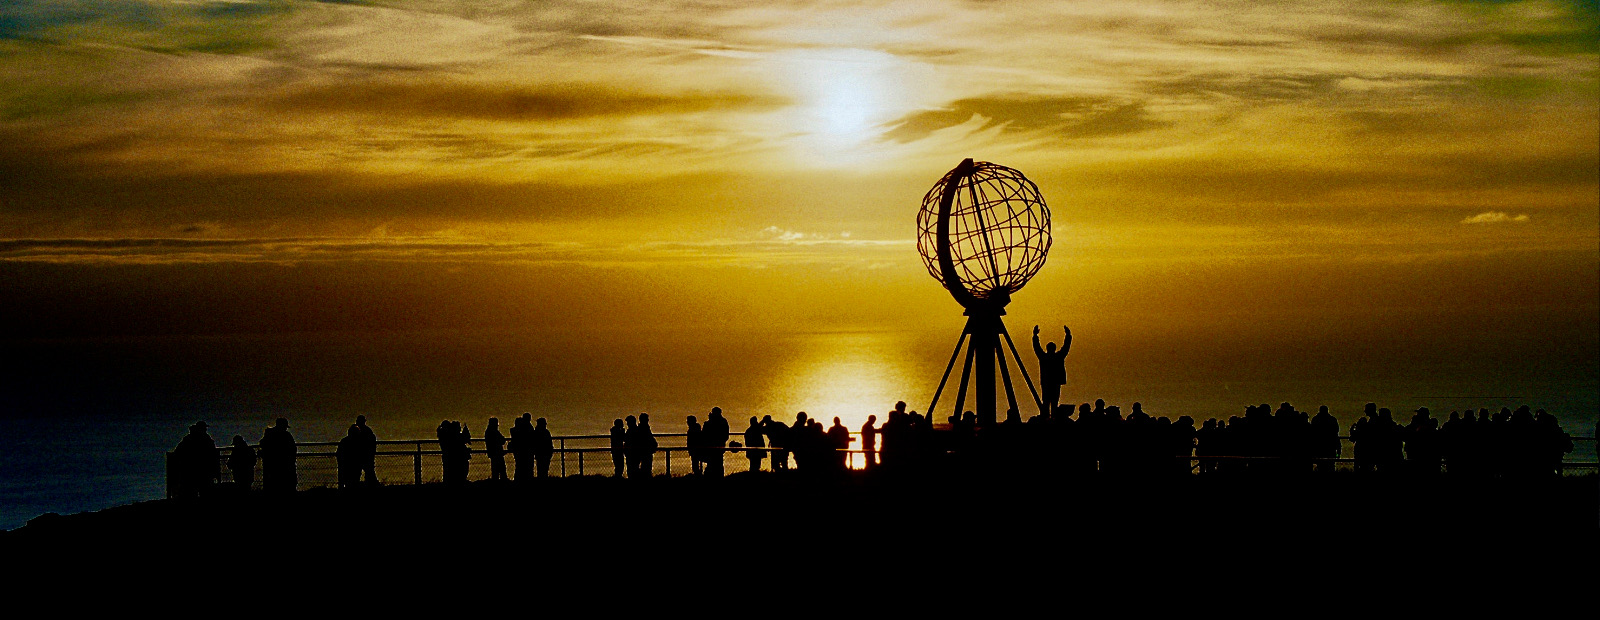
(983, 232)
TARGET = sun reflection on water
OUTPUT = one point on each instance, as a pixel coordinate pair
(847, 375)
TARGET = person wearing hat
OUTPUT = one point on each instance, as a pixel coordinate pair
(195, 462)
(277, 459)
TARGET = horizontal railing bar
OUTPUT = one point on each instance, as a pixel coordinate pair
(733, 437)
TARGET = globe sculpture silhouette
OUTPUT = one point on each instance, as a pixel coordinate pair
(983, 231)
(998, 231)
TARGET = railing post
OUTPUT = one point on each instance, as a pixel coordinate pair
(580, 463)
(668, 452)
(416, 464)
(563, 457)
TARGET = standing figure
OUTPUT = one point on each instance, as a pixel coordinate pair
(1325, 439)
(755, 444)
(839, 442)
(349, 457)
(447, 434)
(369, 451)
(242, 462)
(869, 442)
(778, 437)
(522, 447)
(277, 458)
(542, 447)
(633, 441)
(619, 447)
(194, 462)
(494, 444)
(799, 440)
(647, 447)
(693, 439)
(714, 440)
(1362, 436)
(1052, 369)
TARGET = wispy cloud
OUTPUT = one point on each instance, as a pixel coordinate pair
(1496, 217)
(300, 114)
(503, 102)
(766, 248)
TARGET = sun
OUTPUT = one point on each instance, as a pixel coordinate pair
(846, 98)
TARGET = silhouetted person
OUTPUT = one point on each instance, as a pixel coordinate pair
(277, 458)
(242, 462)
(641, 448)
(196, 462)
(693, 439)
(869, 443)
(778, 437)
(647, 447)
(452, 451)
(1052, 369)
(494, 444)
(1325, 438)
(543, 447)
(894, 434)
(522, 447)
(631, 439)
(350, 456)
(800, 440)
(755, 444)
(619, 448)
(1422, 443)
(369, 451)
(817, 450)
(1363, 434)
(839, 441)
(716, 440)
(1553, 443)
(1522, 445)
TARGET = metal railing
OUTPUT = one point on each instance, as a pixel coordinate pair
(420, 461)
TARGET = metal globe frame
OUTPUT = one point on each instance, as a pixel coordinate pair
(983, 233)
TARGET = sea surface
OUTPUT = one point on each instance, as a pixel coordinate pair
(86, 424)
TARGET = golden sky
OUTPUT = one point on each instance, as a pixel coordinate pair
(1293, 172)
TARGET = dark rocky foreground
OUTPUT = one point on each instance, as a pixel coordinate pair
(808, 519)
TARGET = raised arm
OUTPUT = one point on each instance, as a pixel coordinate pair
(1037, 350)
(1066, 344)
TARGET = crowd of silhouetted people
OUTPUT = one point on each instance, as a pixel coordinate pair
(196, 463)
(1519, 443)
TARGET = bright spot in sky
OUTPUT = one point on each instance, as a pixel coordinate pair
(846, 96)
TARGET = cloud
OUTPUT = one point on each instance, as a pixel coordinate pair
(1069, 117)
(773, 232)
(1495, 217)
(775, 245)
(507, 103)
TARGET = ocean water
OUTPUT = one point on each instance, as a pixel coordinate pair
(86, 424)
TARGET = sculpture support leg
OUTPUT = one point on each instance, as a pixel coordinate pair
(932, 407)
(966, 375)
(1020, 366)
(983, 343)
(1005, 377)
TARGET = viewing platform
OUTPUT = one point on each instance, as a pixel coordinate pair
(420, 461)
